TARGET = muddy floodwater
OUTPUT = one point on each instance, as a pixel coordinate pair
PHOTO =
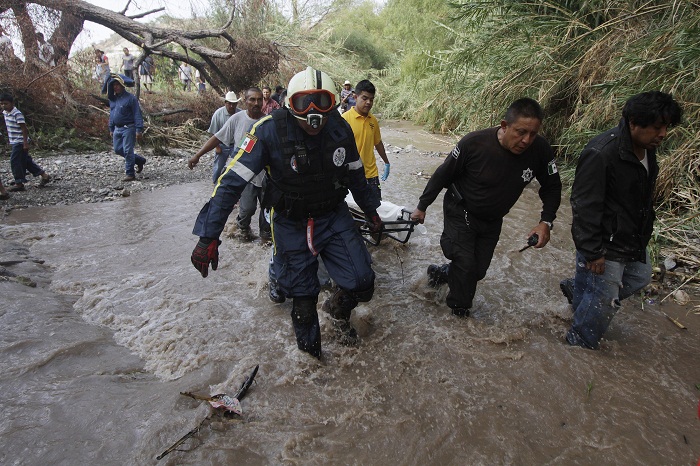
(94, 356)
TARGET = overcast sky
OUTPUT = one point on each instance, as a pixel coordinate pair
(93, 33)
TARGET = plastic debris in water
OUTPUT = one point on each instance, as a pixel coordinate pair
(227, 403)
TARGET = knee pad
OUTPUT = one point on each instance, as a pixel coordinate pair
(304, 310)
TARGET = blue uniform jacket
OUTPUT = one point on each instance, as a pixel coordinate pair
(260, 150)
(124, 109)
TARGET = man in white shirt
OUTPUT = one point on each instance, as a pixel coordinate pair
(218, 119)
(232, 133)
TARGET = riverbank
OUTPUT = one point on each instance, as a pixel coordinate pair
(80, 178)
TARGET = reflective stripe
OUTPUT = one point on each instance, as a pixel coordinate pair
(243, 171)
(272, 230)
(356, 165)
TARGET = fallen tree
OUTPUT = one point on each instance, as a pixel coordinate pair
(71, 15)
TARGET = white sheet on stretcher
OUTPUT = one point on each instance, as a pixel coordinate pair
(389, 212)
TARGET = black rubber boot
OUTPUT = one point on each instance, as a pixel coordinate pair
(340, 306)
(460, 312)
(437, 274)
(306, 326)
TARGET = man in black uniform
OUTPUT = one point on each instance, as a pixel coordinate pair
(485, 175)
(309, 154)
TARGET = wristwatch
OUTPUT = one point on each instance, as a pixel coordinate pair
(549, 224)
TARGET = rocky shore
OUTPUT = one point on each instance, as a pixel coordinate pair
(79, 178)
(97, 177)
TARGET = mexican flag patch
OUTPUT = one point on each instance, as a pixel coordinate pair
(249, 142)
(552, 168)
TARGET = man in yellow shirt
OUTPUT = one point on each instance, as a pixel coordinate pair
(365, 127)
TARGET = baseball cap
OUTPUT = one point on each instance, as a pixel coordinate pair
(232, 97)
(347, 82)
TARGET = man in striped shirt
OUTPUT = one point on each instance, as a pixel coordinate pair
(20, 161)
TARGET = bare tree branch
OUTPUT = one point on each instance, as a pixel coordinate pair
(141, 15)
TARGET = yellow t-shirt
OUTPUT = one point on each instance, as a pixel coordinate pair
(367, 135)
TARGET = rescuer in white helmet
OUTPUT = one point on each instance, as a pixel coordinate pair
(311, 161)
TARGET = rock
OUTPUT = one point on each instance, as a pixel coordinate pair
(96, 177)
(681, 297)
(670, 263)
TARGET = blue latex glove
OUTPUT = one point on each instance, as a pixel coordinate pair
(386, 171)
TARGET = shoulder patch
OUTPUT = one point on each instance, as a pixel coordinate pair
(552, 168)
(249, 142)
(455, 152)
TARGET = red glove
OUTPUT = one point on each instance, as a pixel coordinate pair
(206, 251)
(374, 223)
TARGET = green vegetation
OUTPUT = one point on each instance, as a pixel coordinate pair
(459, 65)
(455, 66)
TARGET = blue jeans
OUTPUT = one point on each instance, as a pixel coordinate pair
(21, 162)
(597, 297)
(123, 141)
(220, 160)
(247, 204)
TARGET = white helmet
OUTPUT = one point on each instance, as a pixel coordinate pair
(311, 95)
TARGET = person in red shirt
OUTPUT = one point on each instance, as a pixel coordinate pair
(269, 104)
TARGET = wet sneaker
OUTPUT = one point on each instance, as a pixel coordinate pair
(17, 188)
(276, 296)
(460, 312)
(129, 178)
(437, 275)
(345, 333)
(567, 289)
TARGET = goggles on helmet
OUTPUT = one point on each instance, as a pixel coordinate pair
(320, 99)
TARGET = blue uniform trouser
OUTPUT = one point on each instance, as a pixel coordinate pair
(123, 141)
(220, 160)
(597, 297)
(21, 163)
(337, 241)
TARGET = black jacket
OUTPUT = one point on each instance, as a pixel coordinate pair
(611, 200)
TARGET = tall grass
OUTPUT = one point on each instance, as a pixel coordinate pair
(581, 59)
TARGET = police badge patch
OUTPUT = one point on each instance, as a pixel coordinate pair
(527, 175)
(339, 156)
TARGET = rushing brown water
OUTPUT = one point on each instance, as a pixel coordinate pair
(93, 358)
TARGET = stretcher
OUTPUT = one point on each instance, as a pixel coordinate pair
(397, 222)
